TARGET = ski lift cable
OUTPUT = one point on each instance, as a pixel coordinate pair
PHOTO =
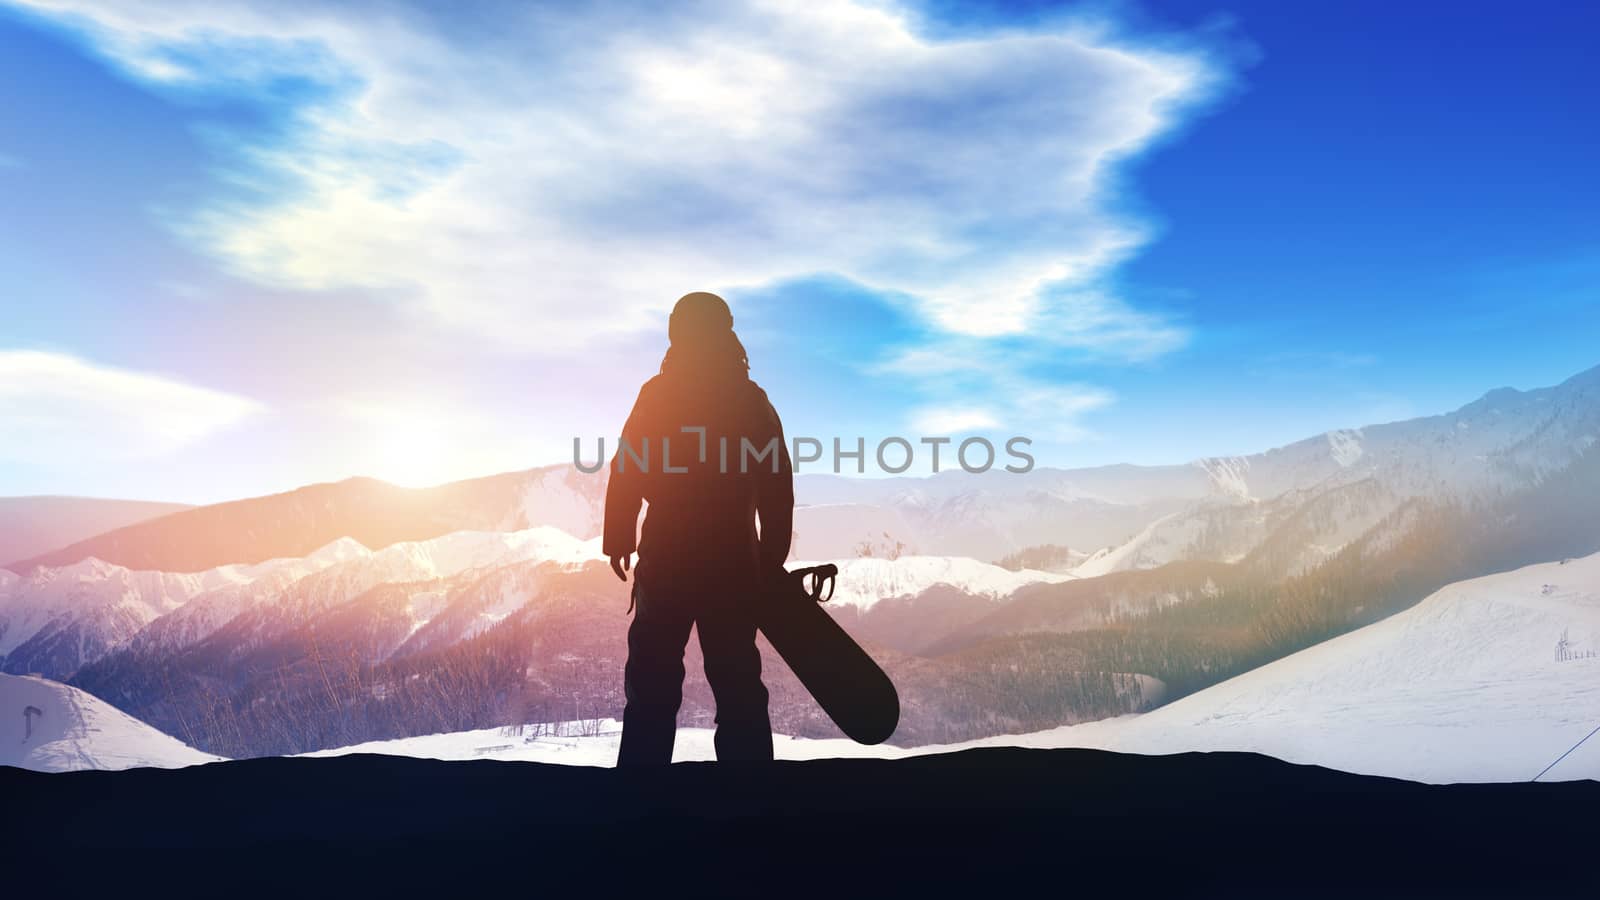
(1568, 753)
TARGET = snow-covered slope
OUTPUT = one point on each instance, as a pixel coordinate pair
(51, 727)
(1485, 680)
(591, 743)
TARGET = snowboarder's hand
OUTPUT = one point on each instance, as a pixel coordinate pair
(619, 565)
(774, 577)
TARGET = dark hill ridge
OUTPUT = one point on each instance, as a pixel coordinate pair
(33, 525)
(1001, 821)
(299, 522)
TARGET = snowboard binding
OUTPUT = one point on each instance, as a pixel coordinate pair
(825, 574)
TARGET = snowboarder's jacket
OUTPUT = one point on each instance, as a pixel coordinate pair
(706, 450)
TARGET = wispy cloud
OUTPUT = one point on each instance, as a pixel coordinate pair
(1043, 412)
(973, 385)
(567, 172)
(62, 409)
(9, 161)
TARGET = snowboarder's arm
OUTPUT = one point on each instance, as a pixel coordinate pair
(775, 502)
(625, 494)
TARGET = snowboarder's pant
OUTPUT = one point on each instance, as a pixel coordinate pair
(653, 677)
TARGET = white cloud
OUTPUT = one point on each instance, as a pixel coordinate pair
(569, 172)
(1047, 413)
(937, 420)
(1051, 412)
(60, 409)
(973, 384)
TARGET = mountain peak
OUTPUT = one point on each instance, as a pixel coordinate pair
(89, 568)
(1493, 400)
(1587, 378)
(340, 550)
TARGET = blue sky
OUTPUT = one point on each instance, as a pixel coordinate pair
(249, 247)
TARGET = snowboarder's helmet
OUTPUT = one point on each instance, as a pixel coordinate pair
(697, 315)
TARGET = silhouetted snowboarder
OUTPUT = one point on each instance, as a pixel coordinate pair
(705, 448)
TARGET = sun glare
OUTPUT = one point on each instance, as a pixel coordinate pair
(411, 451)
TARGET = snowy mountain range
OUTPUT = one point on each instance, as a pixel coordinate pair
(445, 626)
(1295, 506)
(1490, 679)
(1285, 509)
(55, 621)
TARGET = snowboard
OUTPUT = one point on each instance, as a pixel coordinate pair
(852, 689)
